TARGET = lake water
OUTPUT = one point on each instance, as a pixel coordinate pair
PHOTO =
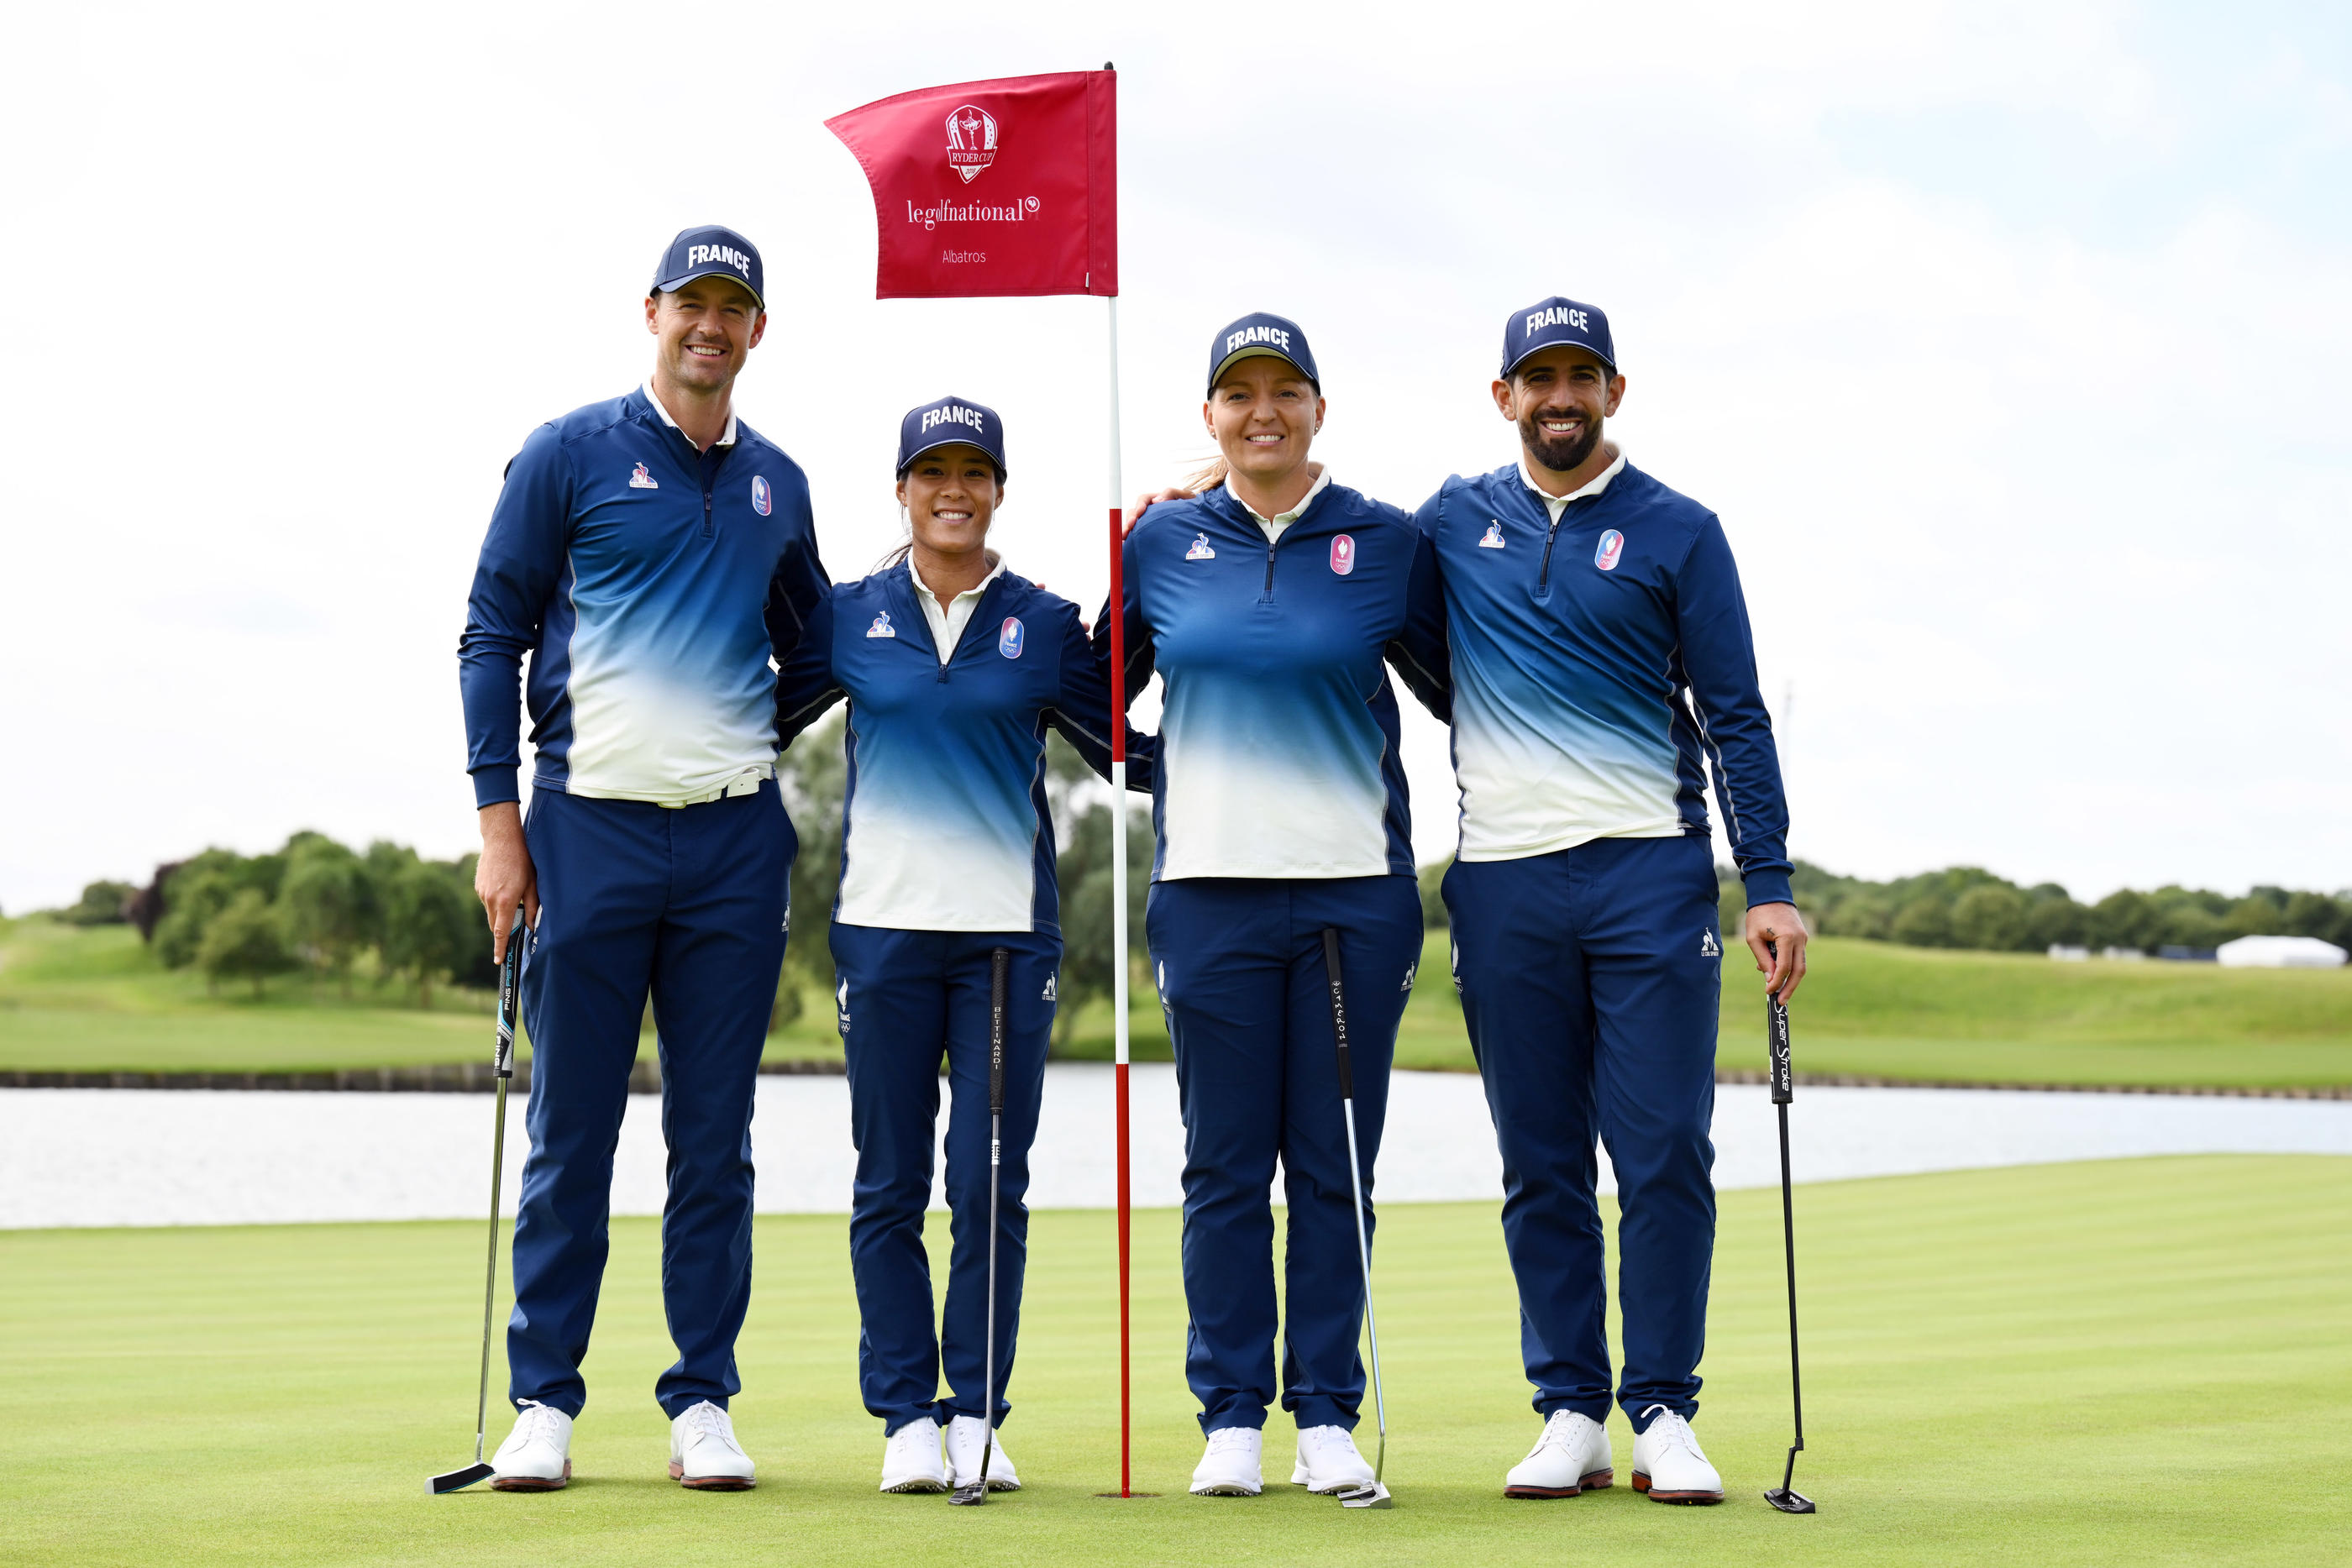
(120, 1157)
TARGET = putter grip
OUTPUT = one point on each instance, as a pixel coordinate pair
(999, 960)
(1339, 1011)
(502, 1061)
(1776, 1025)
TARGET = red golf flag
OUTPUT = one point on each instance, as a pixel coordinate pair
(1008, 187)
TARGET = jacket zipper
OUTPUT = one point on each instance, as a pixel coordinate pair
(1268, 596)
(1543, 572)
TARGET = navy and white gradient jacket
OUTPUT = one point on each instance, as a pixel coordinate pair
(944, 824)
(1601, 666)
(1277, 753)
(651, 584)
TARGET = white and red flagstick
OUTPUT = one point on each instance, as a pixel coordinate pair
(1027, 167)
(1118, 891)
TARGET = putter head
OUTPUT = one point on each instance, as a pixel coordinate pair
(1373, 1496)
(965, 1497)
(1788, 1502)
(458, 1481)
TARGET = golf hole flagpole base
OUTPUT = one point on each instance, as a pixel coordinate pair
(1785, 1497)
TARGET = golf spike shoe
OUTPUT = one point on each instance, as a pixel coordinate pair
(1573, 1455)
(703, 1453)
(537, 1455)
(1230, 1467)
(966, 1437)
(911, 1459)
(1667, 1463)
(1329, 1461)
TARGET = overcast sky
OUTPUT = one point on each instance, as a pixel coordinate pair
(2008, 340)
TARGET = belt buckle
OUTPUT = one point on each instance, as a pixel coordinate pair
(748, 784)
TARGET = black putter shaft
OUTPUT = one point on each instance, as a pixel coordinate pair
(502, 1068)
(1784, 1497)
(998, 959)
(1376, 1495)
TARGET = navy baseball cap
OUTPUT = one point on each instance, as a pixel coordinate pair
(710, 252)
(1552, 323)
(1261, 334)
(950, 422)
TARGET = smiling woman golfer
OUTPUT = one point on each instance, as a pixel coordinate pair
(953, 668)
(1267, 604)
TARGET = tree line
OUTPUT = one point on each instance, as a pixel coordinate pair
(318, 906)
(312, 905)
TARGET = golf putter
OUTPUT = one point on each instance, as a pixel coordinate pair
(1375, 1495)
(503, 1067)
(977, 1492)
(1784, 1497)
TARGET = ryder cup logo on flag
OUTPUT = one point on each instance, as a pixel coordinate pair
(1047, 224)
(1008, 640)
(972, 141)
(762, 501)
(882, 627)
(1612, 545)
(1343, 555)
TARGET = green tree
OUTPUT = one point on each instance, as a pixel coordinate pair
(2125, 919)
(245, 939)
(329, 905)
(1924, 923)
(196, 893)
(1432, 897)
(2057, 923)
(1990, 917)
(101, 904)
(811, 775)
(424, 909)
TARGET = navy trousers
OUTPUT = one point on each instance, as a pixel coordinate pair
(1589, 979)
(908, 997)
(689, 906)
(1239, 962)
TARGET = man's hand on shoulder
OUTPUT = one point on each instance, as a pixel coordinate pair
(1143, 504)
(504, 876)
(1777, 935)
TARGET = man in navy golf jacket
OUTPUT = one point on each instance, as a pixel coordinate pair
(1602, 669)
(655, 557)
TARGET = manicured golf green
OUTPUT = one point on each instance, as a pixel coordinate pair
(2138, 1362)
(95, 1001)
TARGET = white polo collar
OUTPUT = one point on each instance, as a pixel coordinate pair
(1275, 525)
(725, 436)
(1593, 487)
(946, 625)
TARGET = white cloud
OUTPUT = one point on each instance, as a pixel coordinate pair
(2041, 512)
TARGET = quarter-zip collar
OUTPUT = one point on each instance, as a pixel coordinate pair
(1275, 525)
(947, 625)
(725, 436)
(1558, 504)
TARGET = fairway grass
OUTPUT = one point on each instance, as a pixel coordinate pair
(2137, 1362)
(95, 1001)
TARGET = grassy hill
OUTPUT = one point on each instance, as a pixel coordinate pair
(94, 999)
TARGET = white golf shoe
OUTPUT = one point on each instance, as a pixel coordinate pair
(1667, 1463)
(1230, 1467)
(703, 1453)
(1573, 1455)
(537, 1455)
(1329, 1462)
(967, 1435)
(911, 1459)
